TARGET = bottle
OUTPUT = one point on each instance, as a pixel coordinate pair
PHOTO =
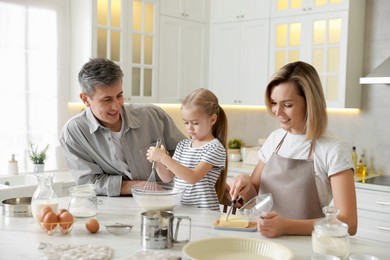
(13, 168)
(354, 157)
(330, 235)
(44, 195)
(363, 159)
(361, 169)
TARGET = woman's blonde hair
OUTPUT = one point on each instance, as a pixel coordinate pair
(308, 85)
(205, 101)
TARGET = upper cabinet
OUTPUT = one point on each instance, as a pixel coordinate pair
(239, 51)
(183, 49)
(239, 10)
(123, 31)
(80, 41)
(280, 8)
(328, 36)
(168, 48)
(194, 10)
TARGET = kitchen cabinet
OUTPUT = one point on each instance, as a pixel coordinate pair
(80, 42)
(183, 52)
(331, 39)
(123, 31)
(374, 214)
(239, 59)
(239, 51)
(239, 10)
(194, 10)
(280, 8)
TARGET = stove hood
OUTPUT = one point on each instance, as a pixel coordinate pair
(380, 75)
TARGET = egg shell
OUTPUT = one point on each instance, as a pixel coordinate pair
(92, 225)
(65, 220)
(61, 211)
(50, 221)
(42, 213)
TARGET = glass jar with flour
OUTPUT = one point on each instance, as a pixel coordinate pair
(330, 235)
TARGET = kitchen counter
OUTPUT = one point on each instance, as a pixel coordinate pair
(21, 237)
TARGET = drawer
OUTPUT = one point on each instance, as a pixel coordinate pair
(374, 225)
(373, 200)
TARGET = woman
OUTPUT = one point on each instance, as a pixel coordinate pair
(301, 164)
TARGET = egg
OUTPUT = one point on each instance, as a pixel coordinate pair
(92, 225)
(50, 220)
(42, 212)
(61, 211)
(65, 220)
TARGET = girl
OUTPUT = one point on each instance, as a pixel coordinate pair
(199, 163)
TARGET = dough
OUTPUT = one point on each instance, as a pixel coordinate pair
(234, 221)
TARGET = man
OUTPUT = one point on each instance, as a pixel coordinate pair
(106, 143)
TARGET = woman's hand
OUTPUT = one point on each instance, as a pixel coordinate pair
(240, 185)
(271, 225)
(154, 154)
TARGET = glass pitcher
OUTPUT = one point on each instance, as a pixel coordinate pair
(330, 235)
(44, 195)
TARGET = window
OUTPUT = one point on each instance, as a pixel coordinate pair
(32, 75)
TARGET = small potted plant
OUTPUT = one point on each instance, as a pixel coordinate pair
(38, 157)
(234, 146)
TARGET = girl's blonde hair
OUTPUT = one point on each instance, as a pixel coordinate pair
(207, 102)
(308, 85)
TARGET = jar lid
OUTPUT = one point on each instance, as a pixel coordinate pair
(86, 190)
(330, 225)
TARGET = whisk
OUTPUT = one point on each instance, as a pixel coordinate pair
(151, 184)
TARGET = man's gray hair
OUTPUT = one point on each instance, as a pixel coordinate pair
(98, 72)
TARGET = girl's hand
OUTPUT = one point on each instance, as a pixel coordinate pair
(272, 225)
(240, 185)
(154, 154)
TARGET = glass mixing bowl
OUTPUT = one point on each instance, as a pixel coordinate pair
(158, 196)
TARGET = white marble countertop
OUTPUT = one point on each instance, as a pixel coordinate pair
(20, 237)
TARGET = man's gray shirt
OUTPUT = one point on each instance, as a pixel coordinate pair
(91, 154)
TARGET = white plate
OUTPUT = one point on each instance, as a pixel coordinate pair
(233, 248)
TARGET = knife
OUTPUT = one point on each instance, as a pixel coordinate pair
(230, 209)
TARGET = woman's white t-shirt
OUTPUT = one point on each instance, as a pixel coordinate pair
(331, 155)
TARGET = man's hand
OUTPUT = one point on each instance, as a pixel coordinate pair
(126, 186)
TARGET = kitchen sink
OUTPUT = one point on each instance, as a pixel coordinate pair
(12, 186)
(17, 180)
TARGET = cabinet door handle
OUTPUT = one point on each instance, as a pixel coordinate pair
(383, 203)
(383, 228)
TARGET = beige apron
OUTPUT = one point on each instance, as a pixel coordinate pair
(292, 185)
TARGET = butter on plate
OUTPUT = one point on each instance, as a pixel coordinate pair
(234, 221)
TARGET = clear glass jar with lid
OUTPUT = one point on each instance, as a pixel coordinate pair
(83, 201)
(330, 235)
